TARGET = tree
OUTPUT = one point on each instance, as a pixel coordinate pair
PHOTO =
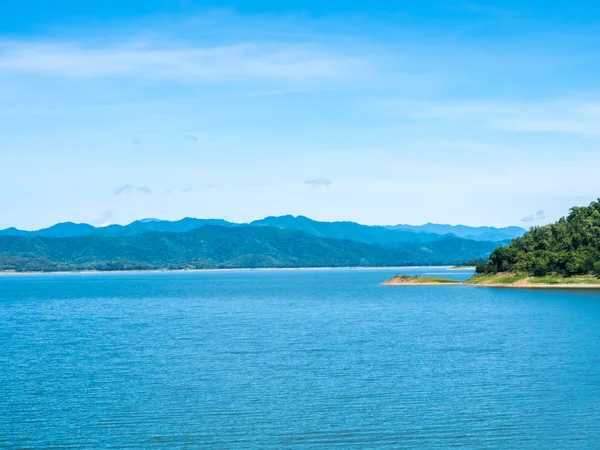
(570, 246)
(483, 268)
(539, 266)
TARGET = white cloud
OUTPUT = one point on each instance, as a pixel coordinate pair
(192, 63)
(534, 217)
(104, 219)
(124, 189)
(130, 189)
(144, 190)
(321, 181)
(580, 117)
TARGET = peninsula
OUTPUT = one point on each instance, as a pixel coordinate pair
(407, 280)
(562, 254)
(565, 254)
(502, 280)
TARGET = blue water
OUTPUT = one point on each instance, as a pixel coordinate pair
(280, 359)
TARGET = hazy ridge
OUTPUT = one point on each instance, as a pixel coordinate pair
(338, 230)
(224, 247)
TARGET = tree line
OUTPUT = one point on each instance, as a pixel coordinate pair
(568, 247)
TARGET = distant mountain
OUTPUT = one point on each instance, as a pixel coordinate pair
(223, 247)
(463, 231)
(383, 235)
(66, 229)
(346, 230)
(69, 229)
(148, 225)
(12, 231)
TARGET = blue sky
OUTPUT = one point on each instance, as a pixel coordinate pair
(482, 113)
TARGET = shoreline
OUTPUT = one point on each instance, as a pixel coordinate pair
(385, 283)
(407, 280)
(502, 286)
(240, 269)
(536, 286)
(523, 281)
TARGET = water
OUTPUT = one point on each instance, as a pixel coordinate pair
(280, 359)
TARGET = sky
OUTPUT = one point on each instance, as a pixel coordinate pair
(380, 112)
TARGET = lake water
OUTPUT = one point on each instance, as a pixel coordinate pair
(280, 359)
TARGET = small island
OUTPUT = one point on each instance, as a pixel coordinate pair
(408, 280)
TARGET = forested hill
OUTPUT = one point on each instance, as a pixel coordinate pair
(223, 247)
(367, 234)
(570, 246)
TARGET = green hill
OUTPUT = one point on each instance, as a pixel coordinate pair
(367, 234)
(70, 229)
(568, 247)
(222, 247)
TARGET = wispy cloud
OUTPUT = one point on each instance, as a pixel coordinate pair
(124, 189)
(191, 137)
(580, 117)
(539, 215)
(321, 181)
(193, 63)
(130, 189)
(104, 219)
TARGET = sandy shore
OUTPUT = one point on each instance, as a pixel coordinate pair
(536, 286)
(499, 286)
(526, 283)
(420, 284)
(419, 281)
(521, 284)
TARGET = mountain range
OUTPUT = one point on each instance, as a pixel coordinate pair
(337, 230)
(284, 241)
(224, 247)
(466, 232)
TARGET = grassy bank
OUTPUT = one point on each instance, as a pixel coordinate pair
(407, 280)
(525, 280)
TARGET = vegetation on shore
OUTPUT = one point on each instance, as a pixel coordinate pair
(565, 254)
(526, 280)
(516, 280)
(567, 249)
(406, 280)
(472, 263)
(496, 278)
